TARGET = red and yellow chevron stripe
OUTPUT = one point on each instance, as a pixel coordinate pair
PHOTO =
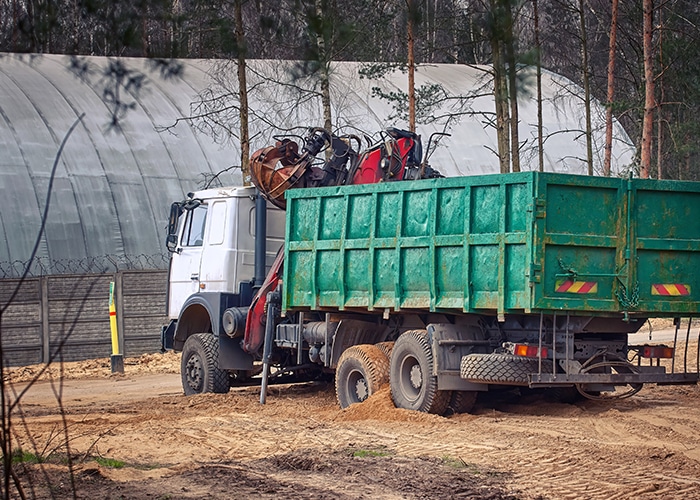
(573, 286)
(670, 289)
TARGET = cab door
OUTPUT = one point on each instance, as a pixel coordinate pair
(185, 262)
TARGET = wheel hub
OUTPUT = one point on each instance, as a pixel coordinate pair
(416, 377)
(361, 389)
(194, 372)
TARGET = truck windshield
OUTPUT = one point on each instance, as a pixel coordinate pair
(193, 234)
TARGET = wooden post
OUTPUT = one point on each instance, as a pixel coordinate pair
(117, 359)
(45, 325)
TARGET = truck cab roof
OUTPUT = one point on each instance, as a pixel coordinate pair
(223, 192)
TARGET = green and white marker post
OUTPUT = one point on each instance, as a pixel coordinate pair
(117, 360)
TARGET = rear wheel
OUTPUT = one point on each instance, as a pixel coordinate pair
(361, 371)
(413, 385)
(461, 402)
(199, 366)
(566, 395)
(386, 348)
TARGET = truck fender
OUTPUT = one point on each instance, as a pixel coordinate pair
(449, 344)
(202, 313)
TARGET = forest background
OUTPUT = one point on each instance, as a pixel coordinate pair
(639, 57)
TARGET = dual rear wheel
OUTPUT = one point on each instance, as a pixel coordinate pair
(408, 366)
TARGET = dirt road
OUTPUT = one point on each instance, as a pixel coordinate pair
(137, 437)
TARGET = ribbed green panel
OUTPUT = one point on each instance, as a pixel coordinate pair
(416, 213)
(517, 290)
(299, 284)
(519, 196)
(495, 244)
(582, 239)
(486, 209)
(415, 277)
(668, 244)
(328, 282)
(450, 211)
(357, 282)
(331, 220)
(387, 210)
(450, 277)
(359, 227)
(385, 267)
(302, 222)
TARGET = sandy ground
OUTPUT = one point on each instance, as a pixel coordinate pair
(135, 436)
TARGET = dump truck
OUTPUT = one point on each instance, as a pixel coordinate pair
(442, 288)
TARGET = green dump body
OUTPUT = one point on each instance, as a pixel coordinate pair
(497, 244)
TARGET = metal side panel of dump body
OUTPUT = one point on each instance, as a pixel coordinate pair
(528, 242)
(454, 244)
(616, 246)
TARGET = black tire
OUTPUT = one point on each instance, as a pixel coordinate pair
(501, 368)
(461, 402)
(386, 348)
(362, 370)
(199, 366)
(565, 395)
(413, 385)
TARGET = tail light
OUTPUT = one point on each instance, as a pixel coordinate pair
(525, 350)
(656, 351)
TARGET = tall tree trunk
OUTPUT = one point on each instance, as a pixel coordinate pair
(512, 85)
(33, 21)
(540, 140)
(174, 48)
(648, 121)
(586, 87)
(242, 92)
(326, 98)
(411, 67)
(500, 87)
(325, 75)
(611, 91)
(659, 110)
(144, 34)
(15, 25)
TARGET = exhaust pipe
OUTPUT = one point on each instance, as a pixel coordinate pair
(260, 239)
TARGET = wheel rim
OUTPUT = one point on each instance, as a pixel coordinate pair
(358, 389)
(411, 378)
(195, 373)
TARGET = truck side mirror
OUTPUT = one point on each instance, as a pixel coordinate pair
(171, 242)
(171, 239)
(175, 211)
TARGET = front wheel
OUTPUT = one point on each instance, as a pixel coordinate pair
(413, 385)
(199, 366)
(362, 370)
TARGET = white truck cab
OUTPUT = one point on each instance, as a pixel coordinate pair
(212, 239)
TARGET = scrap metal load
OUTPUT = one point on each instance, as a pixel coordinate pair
(398, 156)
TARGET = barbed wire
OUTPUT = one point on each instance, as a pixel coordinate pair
(43, 266)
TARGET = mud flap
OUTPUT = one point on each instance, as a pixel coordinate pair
(448, 347)
(232, 356)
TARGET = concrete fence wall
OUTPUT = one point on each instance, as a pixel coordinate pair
(66, 317)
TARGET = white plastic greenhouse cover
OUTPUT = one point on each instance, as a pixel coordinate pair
(113, 188)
